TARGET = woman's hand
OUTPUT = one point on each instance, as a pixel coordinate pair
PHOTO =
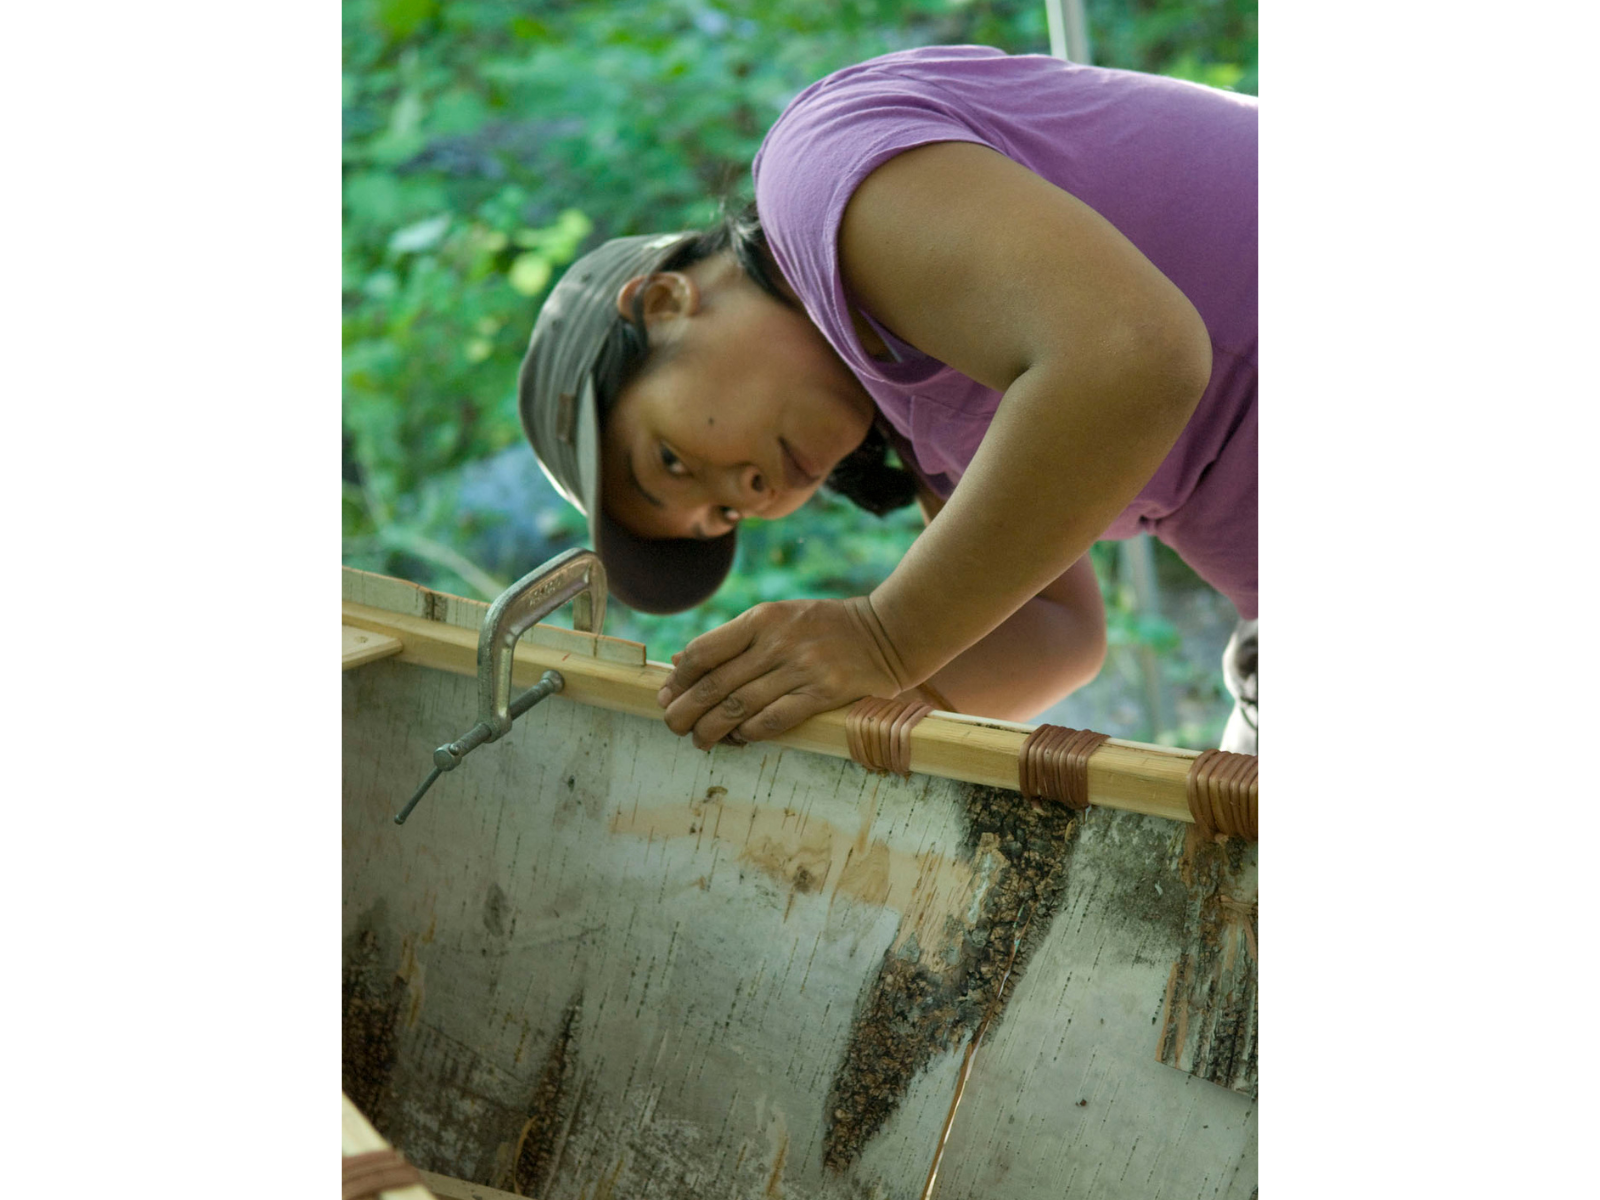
(769, 669)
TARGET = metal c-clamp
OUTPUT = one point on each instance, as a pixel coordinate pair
(575, 575)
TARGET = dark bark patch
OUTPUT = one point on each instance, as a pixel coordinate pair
(495, 907)
(909, 1013)
(1208, 1016)
(549, 1109)
(374, 997)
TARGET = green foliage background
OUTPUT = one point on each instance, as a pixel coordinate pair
(489, 142)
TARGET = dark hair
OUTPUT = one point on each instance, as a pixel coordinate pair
(864, 476)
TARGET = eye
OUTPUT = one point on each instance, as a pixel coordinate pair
(672, 463)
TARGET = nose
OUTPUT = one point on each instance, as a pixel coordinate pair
(745, 489)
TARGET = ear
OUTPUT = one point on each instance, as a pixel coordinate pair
(666, 294)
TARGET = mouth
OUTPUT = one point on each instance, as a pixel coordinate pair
(797, 472)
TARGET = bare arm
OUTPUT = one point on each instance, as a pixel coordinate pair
(1099, 355)
(983, 265)
(1052, 645)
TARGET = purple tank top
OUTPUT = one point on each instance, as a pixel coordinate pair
(1171, 165)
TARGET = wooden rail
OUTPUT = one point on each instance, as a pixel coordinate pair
(359, 1137)
(440, 631)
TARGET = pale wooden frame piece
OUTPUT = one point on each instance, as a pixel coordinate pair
(357, 1136)
(441, 631)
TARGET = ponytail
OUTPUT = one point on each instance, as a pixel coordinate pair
(865, 477)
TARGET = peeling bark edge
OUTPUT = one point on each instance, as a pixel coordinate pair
(909, 1014)
(374, 997)
(1209, 1014)
(550, 1110)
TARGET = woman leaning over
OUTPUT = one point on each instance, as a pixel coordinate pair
(1035, 279)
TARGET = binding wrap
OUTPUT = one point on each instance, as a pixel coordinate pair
(1054, 764)
(1222, 794)
(878, 732)
(365, 1175)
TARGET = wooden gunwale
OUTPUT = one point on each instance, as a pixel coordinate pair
(440, 631)
(357, 1136)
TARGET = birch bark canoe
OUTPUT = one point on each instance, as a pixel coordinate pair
(599, 963)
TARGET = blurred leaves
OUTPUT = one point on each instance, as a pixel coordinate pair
(401, 18)
(424, 235)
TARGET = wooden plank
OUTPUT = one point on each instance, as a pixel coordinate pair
(1130, 776)
(410, 599)
(599, 962)
(364, 646)
(357, 1136)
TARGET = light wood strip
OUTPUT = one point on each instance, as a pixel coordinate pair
(357, 1136)
(364, 646)
(410, 599)
(1126, 775)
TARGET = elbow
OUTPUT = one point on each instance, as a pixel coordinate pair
(1190, 369)
(1089, 655)
(1074, 669)
(1094, 657)
(1157, 361)
(1077, 659)
(1174, 356)
(1146, 372)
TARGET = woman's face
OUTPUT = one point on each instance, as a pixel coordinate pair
(744, 410)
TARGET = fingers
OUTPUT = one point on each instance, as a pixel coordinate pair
(771, 668)
(782, 715)
(706, 653)
(724, 719)
(717, 689)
